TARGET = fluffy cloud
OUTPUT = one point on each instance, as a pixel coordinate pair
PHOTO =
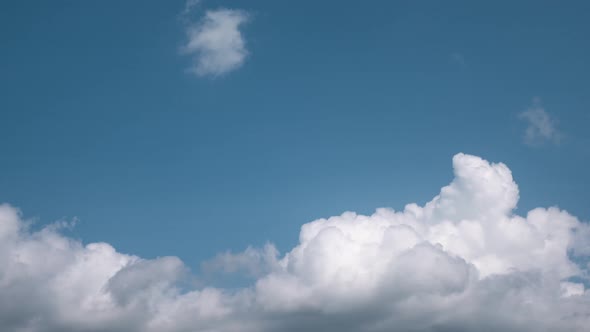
(462, 262)
(216, 42)
(540, 126)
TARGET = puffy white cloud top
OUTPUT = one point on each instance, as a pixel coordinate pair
(462, 262)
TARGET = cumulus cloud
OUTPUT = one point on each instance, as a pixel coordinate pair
(462, 262)
(216, 41)
(541, 127)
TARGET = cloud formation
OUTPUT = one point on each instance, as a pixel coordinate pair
(462, 262)
(216, 42)
(541, 128)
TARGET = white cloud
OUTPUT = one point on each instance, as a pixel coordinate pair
(462, 262)
(216, 42)
(541, 128)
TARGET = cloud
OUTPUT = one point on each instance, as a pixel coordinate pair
(541, 128)
(251, 262)
(189, 6)
(462, 262)
(216, 42)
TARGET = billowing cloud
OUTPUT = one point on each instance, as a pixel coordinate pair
(216, 41)
(541, 127)
(462, 262)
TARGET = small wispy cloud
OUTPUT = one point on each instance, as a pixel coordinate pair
(216, 41)
(189, 6)
(541, 127)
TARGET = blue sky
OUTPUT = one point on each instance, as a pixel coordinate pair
(337, 106)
